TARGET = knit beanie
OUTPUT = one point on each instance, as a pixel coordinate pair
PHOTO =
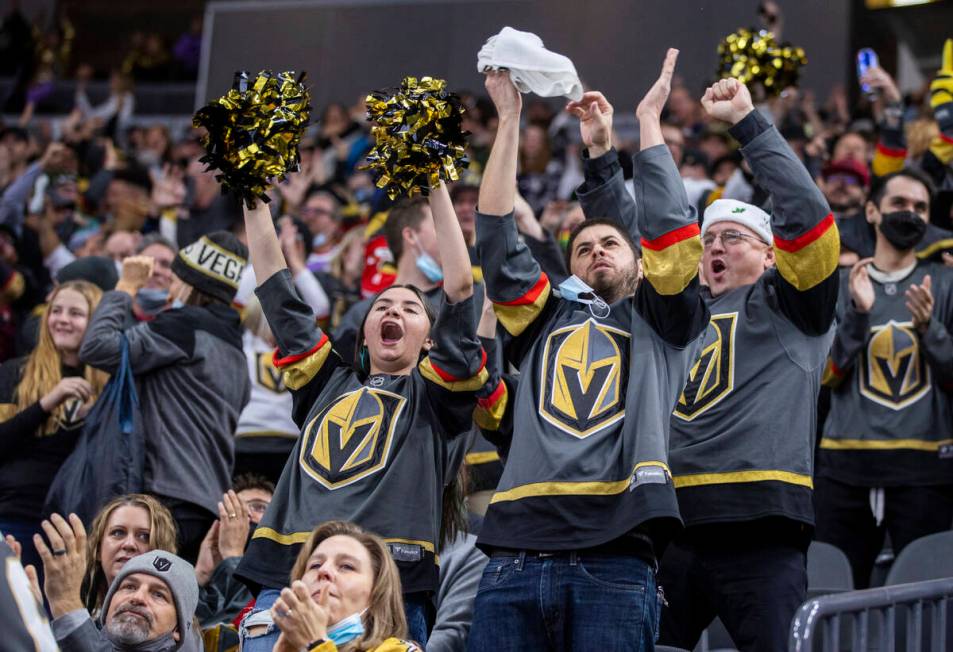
(732, 210)
(212, 264)
(98, 270)
(179, 576)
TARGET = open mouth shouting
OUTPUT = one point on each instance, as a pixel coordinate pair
(391, 332)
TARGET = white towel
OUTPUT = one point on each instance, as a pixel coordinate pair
(532, 67)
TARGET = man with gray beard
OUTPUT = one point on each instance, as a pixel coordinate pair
(149, 607)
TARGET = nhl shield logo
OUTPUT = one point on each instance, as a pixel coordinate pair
(712, 377)
(584, 377)
(351, 438)
(893, 372)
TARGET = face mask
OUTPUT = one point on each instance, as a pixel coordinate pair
(429, 267)
(152, 300)
(903, 229)
(318, 240)
(575, 289)
(347, 630)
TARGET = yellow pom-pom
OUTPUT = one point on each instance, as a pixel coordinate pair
(417, 128)
(253, 132)
(754, 57)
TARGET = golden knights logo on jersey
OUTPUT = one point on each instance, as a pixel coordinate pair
(351, 438)
(893, 372)
(73, 414)
(584, 377)
(713, 375)
(269, 376)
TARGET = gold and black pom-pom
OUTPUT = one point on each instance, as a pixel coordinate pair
(418, 131)
(755, 57)
(254, 131)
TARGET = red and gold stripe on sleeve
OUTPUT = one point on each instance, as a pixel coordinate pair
(833, 375)
(887, 160)
(811, 257)
(489, 411)
(297, 370)
(519, 313)
(443, 378)
(670, 261)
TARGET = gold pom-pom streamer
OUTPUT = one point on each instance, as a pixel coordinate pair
(418, 131)
(253, 131)
(753, 57)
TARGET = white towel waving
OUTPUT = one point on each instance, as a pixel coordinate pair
(532, 67)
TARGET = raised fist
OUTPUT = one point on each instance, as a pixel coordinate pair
(728, 100)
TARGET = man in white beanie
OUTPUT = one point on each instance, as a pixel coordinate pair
(149, 607)
(743, 430)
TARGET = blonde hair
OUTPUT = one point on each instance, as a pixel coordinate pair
(162, 536)
(384, 617)
(44, 366)
(355, 235)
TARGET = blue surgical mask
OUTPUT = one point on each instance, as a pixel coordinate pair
(429, 267)
(575, 289)
(152, 300)
(345, 631)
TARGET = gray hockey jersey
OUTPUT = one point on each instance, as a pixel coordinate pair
(587, 462)
(891, 421)
(372, 450)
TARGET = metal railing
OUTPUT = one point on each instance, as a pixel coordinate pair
(914, 613)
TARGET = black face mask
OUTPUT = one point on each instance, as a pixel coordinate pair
(903, 229)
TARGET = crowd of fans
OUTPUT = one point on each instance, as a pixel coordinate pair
(117, 244)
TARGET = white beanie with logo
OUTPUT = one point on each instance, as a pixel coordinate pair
(732, 210)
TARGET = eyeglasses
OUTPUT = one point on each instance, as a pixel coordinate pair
(729, 238)
(257, 506)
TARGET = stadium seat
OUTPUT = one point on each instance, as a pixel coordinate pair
(828, 570)
(927, 558)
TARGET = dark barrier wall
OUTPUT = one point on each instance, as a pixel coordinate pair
(351, 47)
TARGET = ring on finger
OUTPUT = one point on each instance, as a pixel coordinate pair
(59, 553)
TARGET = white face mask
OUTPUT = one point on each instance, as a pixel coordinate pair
(575, 289)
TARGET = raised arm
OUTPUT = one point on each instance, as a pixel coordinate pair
(806, 241)
(304, 352)
(671, 249)
(498, 187)
(263, 245)
(516, 285)
(454, 258)
(603, 192)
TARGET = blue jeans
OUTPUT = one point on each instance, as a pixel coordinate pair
(568, 601)
(260, 615)
(417, 607)
(419, 611)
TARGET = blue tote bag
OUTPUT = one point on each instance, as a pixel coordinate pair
(109, 458)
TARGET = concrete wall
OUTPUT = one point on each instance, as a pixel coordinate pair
(351, 47)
